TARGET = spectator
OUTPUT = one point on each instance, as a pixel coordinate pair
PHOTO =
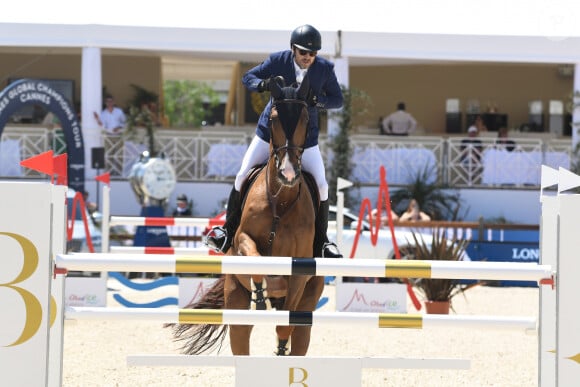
(183, 208)
(384, 218)
(471, 151)
(478, 125)
(414, 213)
(112, 118)
(51, 121)
(91, 206)
(399, 123)
(503, 142)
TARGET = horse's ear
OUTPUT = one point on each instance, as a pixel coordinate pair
(276, 89)
(304, 88)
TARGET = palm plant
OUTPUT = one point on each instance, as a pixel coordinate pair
(433, 198)
(441, 248)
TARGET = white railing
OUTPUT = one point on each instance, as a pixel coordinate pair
(215, 154)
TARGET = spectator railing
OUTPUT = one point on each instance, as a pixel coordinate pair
(215, 155)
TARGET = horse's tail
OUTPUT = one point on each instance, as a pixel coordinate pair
(201, 338)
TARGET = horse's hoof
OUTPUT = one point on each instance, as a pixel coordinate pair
(282, 350)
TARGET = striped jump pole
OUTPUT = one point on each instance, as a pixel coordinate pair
(109, 220)
(274, 317)
(158, 221)
(389, 268)
(196, 251)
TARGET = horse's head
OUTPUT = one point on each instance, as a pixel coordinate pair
(289, 123)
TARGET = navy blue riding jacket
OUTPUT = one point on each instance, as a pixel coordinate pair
(323, 83)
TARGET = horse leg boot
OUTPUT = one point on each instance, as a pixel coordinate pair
(260, 300)
(321, 244)
(220, 238)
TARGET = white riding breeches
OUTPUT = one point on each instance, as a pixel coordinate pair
(258, 153)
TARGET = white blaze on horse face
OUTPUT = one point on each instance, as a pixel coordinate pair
(288, 169)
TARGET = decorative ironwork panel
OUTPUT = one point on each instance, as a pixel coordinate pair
(182, 151)
(208, 155)
(485, 162)
(221, 155)
(20, 143)
(405, 159)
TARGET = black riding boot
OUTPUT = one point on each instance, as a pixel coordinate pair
(322, 247)
(220, 238)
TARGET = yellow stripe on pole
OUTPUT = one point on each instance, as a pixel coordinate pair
(205, 265)
(400, 320)
(200, 316)
(407, 269)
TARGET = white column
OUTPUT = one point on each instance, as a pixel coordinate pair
(91, 101)
(576, 110)
(341, 71)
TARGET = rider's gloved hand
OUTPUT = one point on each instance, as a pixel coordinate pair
(267, 83)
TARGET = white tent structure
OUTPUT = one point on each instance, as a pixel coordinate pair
(361, 33)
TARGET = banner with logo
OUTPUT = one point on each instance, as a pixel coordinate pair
(25, 297)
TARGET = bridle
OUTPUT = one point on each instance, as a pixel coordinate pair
(275, 155)
(288, 147)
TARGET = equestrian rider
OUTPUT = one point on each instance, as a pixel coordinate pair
(292, 65)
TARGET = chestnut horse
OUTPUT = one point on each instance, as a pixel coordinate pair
(277, 220)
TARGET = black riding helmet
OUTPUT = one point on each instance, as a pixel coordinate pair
(306, 37)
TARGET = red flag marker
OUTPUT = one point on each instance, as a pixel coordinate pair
(104, 178)
(42, 163)
(60, 168)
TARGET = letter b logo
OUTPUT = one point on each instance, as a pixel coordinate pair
(297, 377)
(32, 304)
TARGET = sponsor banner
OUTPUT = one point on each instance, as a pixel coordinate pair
(36, 92)
(297, 371)
(83, 291)
(192, 289)
(526, 252)
(367, 297)
(25, 239)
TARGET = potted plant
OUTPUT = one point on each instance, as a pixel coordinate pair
(439, 292)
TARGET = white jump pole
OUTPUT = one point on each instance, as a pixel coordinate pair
(230, 361)
(308, 266)
(274, 317)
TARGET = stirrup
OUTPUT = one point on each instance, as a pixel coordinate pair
(330, 250)
(216, 239)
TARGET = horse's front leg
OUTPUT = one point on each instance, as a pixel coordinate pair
(296, 285)
(246, 246)
(301, 334)
(236, 297)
